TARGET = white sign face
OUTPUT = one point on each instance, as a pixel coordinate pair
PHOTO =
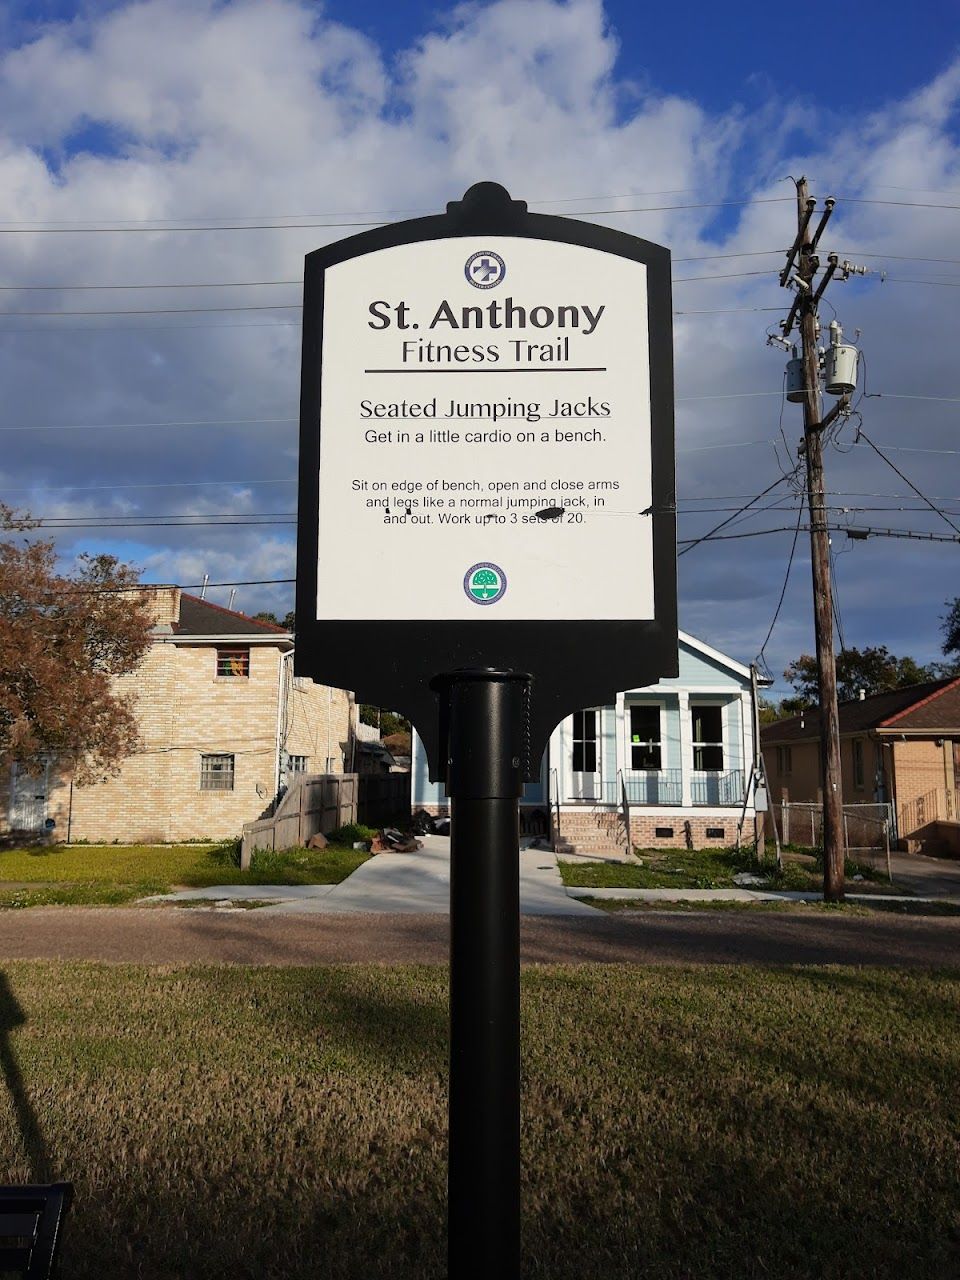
(469, 383)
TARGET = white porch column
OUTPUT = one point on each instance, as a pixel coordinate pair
(557, 760)
(620, 743)
(686, 750)
(746, 735)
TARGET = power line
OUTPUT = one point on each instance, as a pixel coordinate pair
(160, 311)
(854, 531)
(185, 284)
(336, 213)
(724, 523)
(127, 426)
(263, 284)
(161, 484)
(137, 328)
(898, 204)
(721, 311)
(861, 434)
(894, 257)
(729, 275)
(890, 395)
(786, 579)
(307, 226)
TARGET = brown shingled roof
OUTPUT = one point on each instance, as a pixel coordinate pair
(937, 710)
(916, 706)
(201, 618)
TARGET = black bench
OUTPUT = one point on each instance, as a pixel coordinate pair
(31, 1224)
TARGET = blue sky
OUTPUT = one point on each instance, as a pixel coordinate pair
(855, 58)
(187, 109)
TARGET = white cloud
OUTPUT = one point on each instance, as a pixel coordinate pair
(259, 109)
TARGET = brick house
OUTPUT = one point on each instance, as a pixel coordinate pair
(681, 750)
(900, 748)
(224, 722)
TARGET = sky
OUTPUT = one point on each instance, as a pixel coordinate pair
(168, 114)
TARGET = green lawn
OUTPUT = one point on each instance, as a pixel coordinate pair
(709, 869)
(117, 874)
(718, 1123)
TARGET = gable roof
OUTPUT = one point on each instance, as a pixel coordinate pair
(720, 658)
(934, 705)
(201, 618)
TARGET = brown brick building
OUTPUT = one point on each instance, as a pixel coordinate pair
(223, 722)
(900, 748)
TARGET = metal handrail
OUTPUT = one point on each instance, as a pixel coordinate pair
(555, 779)
(625, 811)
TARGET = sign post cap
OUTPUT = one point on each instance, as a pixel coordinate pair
(486, 200)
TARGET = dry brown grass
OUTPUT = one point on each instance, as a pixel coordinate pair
(735, 1123)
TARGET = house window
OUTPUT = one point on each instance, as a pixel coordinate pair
(297, 764)
(233, 662)
(584, 742)
(216, 773)
(707, 738)
(784, 761)
(645, 738)
(858, 763)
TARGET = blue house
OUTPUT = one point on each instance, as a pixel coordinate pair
(669, 763)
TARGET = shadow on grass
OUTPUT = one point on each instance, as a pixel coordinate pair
(31, 1135)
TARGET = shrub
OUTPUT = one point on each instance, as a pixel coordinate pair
(349, 834)
(226, 853)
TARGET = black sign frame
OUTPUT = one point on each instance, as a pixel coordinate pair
(573, 663)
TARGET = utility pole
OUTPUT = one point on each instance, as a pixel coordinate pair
(804, 311)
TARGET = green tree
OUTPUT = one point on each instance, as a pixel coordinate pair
(950, 627)
(289, 619)
(387, 721)
(873, 669)
(768, 711)
(64, 638)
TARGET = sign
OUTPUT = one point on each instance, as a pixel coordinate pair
(487, 460)
(465, 391)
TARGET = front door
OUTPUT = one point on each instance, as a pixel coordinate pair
(585, 756)
(28, 798)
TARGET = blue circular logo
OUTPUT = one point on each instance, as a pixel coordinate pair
(485, 269)
(485, 583)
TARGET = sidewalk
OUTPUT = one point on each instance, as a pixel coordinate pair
(419, 884)
(398, 883)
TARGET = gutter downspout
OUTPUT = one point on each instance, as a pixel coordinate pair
(281, 691)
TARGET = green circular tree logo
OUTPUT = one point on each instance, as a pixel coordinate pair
(485, 583)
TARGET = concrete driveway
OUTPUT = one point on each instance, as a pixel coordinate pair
(402, 883)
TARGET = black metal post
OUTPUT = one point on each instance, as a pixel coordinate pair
(486, 756)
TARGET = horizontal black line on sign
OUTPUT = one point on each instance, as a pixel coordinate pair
(474, 417)
(566, 369)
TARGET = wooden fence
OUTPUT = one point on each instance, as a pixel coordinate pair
(314, 803)
(384, 798)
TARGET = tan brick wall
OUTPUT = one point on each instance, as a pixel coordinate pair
(318, 724)
(923, 771)
(186, 711)
(802, 782)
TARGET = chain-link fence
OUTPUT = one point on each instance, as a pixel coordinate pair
(868, 829)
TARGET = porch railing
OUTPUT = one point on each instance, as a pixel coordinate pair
(665, 787)
(717, 788)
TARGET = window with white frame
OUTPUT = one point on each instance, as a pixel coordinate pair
(297, 764)
(216, 772)
(584, 741)
(707, 725)
(645, 737)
